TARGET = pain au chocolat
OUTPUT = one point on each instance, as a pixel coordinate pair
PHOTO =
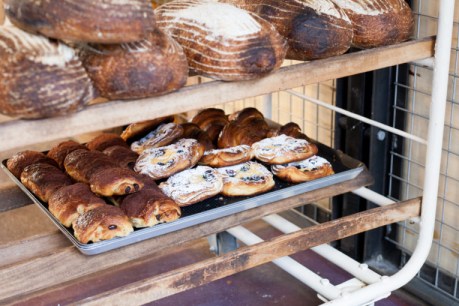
(38, 77)
(222, 41)
(313, 28)
(108, 21)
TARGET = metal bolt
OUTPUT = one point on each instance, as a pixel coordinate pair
(381, 135)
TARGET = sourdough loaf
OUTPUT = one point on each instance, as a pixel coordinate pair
(313, 28)
(150, 67)
(39, 78)
(378, 22)
(108, 21)
(222, 41)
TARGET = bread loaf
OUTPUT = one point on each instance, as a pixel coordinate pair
(39, 78)
(222, 41)
(108, 21)
(313, 28)
(150, 67)
(378, 22)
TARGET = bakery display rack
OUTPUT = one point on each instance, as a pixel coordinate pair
(38, 269)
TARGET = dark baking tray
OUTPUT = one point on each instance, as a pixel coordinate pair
(345, 169)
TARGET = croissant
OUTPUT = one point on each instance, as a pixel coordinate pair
(67, 203)
(124, 157)
(248, 112)
(115, 181)
(191, 130)
(245, 131)
(102, 223)
(290, 129)
(212, 121)
(106, 140)
(59, 152)
(43, 180)
(20, 160)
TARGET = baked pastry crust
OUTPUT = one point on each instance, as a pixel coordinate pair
(140, 129)
(67, 203)
(149, 207)
(123, 156)
(20, 160)
(227, 157)
(115, 181)
(102, 223)
(163, 162)
(193, 185)
(105, 140)
(82, 164)
(43, 180)
(290, 129)
(245, 131)
(163, 135)
(59, 152)
(246, 179)
(303, 171)
(283, 149)
(212, 121)
(246, 113)
(191, 130)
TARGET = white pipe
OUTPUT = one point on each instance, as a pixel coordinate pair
(294, 268)
(432, 169)
(267, 106)
(426, 62)
(358, 270)
(360, 118)
(372, 196)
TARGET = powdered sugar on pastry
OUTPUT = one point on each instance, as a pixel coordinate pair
(309, 164)
(250, 172)
(233, 150)
(163, 135)
(279, 146)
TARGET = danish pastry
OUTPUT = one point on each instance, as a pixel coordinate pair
(20, 160)
(123, 156)
(283, 149)
(104, 141)
(246, 179)
(302, 171)
(43, 180)
(227, 157)
(162, 136)
(102, 223)
(59, 152)
(67, 203)
(163, 162)
(290, 129)
(140, 129)
(193, 185)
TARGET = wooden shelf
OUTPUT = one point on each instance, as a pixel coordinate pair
(20, 133)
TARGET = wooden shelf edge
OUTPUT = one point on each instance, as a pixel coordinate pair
(197, 274)
(20, 133)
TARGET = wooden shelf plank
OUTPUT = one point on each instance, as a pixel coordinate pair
(20, 133)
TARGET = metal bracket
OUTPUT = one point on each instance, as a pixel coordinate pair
(222, 243)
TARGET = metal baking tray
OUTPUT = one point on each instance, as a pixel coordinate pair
(216, 207)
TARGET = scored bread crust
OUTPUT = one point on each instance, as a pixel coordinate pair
(227, 157)
(283, 149)
(102, 223)
(303, 171)
(246, 179)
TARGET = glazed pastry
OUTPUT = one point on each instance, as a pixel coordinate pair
(227, 157)
(59, 152)
(106, 140)
(108, 21)
(302, 171)
(193, 185)
(283, 149)
(123, 156)
(140, 129)
(163, 135)
(150, 67)
(191, 130)
(43, 180)
(67, 203)
(163, 162)
(246, 179)
(149, 207)
(246, 113)
(82, 164)
(222, 41)
(211, 121)
(20, 160)
(102, 223)
(115, 181)
(247, 131)
(290, 129)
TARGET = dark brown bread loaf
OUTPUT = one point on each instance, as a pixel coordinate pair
(39, 78)
(222, 41)
(313, 28)
(150, 67)
(108, 21)
(378, 22)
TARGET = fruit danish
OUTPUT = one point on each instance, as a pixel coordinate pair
(140, 129)
(227, 157)
(302, 171)
(161, 136)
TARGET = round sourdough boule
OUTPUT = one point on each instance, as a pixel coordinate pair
(193, 185)
(246, 179)
(153, 66)
(226, 157)
(282, 149)
(40, 78)
(107, 21)
(378, 22)
(303, 171)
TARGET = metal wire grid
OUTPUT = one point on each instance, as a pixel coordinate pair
(442, 269)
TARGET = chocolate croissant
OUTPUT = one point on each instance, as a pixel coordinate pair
(67, 203)
(20, 160)
(82, 164)
(43, 180)
(115, 181)
(59, 152)
(124, 157)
